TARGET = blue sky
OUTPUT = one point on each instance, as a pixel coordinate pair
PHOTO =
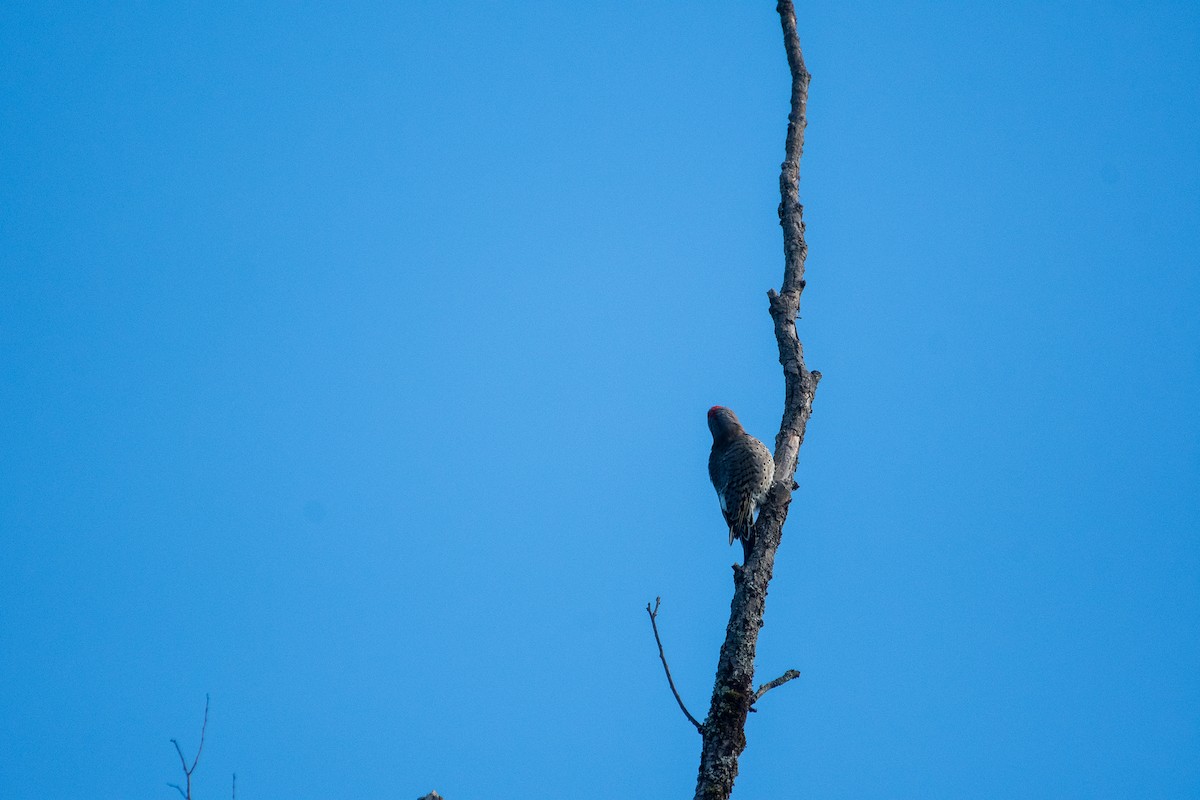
(355, 361)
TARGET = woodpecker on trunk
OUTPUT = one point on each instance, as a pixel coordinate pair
(741, 469)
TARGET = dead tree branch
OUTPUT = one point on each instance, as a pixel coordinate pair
(653, 624)
(733, 691)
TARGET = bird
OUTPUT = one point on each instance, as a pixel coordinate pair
(741, 469)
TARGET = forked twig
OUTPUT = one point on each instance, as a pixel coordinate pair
(187, 771)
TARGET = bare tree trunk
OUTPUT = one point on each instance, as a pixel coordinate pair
(724, 730)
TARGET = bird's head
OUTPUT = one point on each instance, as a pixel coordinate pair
(723, 423)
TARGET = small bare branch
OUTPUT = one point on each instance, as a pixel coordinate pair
(203, 730)
(662, 656)
(791, 674)
(177, 788)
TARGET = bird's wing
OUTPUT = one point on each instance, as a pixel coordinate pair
(714, 464)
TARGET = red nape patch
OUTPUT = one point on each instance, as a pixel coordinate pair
(715, 409)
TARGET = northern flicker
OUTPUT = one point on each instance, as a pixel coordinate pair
(741, 469)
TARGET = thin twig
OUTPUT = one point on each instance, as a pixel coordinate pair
(653, 624)
(175, 786)
(791, 674)
(182, 760)
(203, 729)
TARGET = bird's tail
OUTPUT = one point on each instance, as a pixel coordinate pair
(746, 534)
